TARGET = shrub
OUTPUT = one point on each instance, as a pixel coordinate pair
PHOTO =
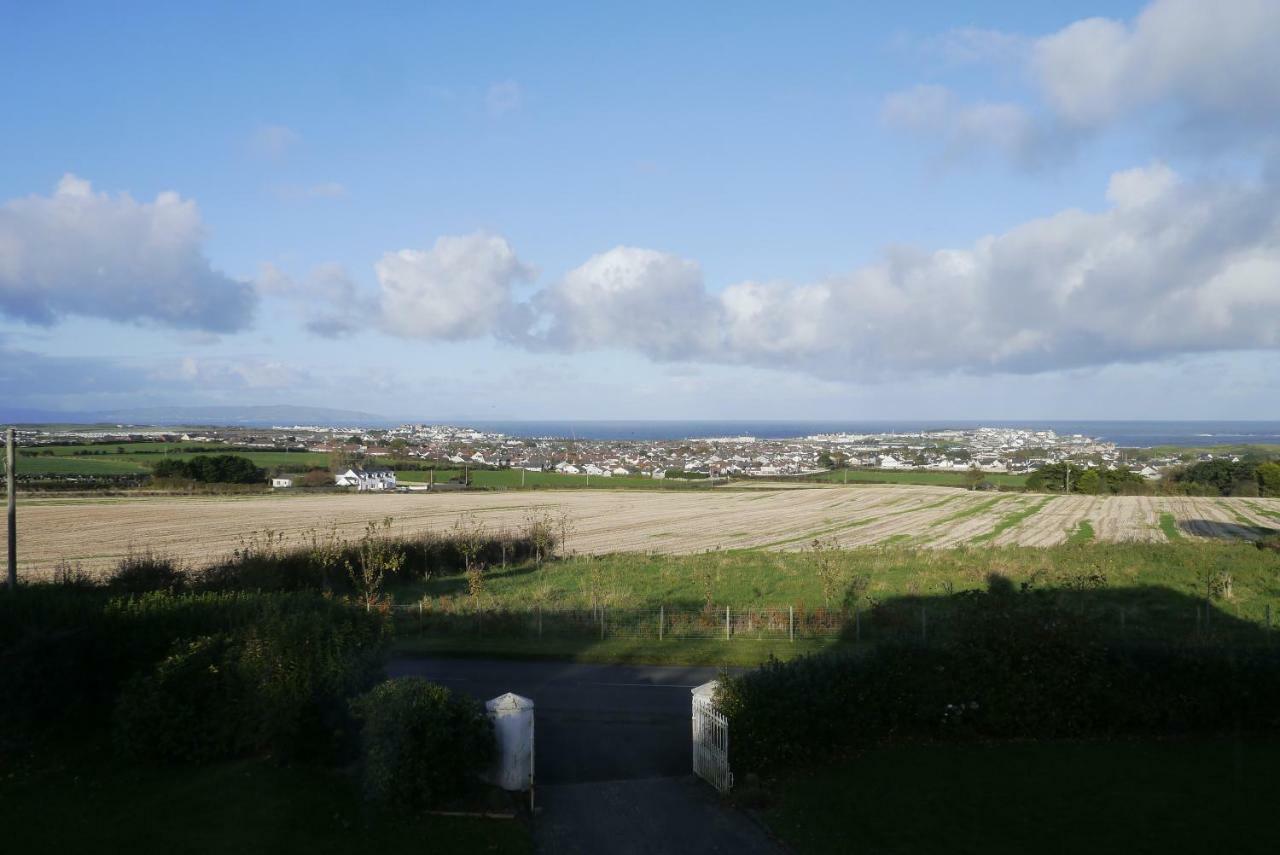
(211, 469)
(421, 742)
(189, 709)
(139, 573)
(67, 655)
(278, 682)
(1013, 665)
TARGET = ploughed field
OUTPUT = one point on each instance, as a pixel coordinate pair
(96, 533)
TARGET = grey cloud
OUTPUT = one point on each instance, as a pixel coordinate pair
(78, 252)
(332, 304)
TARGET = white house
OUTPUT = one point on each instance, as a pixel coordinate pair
(281, 483)
(367, 479)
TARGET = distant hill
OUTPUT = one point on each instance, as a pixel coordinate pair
(249, 416)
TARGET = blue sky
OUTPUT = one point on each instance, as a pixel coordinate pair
(436, 211)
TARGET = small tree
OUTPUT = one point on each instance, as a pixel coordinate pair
(833, 575)
(377, 556)
(470, 537)
(324, 552)
(974, 478)
(564, 523)
(540, 529)
(1090, 482)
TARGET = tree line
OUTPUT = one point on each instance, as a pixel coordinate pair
(211, 469)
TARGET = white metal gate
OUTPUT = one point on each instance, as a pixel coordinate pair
(710, 739)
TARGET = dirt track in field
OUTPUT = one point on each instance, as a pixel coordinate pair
(199, 531)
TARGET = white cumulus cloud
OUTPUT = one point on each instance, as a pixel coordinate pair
(460, 288)
(77, 252)
(1169, 268)
(639, 299)
(1211, 68)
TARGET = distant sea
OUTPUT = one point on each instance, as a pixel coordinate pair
(1131, 434)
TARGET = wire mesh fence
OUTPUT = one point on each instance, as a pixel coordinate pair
(925, 621)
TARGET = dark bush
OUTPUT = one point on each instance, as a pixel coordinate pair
(211, 469)
(67, 653)
(280, 682)
(146, 572)
(1014, 665)
(190, 708)
(421, 743)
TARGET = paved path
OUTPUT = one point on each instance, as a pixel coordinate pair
(612, 755)
(651, 816)
(592, 722)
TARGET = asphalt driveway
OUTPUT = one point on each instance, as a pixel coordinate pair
(612, 756)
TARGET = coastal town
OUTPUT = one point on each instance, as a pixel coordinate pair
(989, 449)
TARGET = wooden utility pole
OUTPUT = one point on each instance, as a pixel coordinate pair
(10, 466)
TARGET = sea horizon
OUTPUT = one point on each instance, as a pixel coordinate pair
(1127, 433)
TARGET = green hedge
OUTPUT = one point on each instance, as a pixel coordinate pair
(1015, 667)
(283, 664)
(422, 744)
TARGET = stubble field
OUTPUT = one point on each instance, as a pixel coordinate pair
(96, 533)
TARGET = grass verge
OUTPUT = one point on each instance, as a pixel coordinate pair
(92, 804)
(1169, 526)
(738, 652)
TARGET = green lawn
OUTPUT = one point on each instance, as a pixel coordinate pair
(515, 478)
(137, 461)
(1136, 592)
(1127, 797)
(925, 478)
(740, 652)
(91, 804)
(748, 577)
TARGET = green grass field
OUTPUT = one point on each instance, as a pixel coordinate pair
(138, 458)
(1139, 591)
(510, 479)
(744, 578)
(90, 802)
(929, 479)
(1112, 797)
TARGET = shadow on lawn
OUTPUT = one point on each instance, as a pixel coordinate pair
(689, 632)
(1227, 530)
(1146, 614)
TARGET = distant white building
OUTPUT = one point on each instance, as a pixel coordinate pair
(281, 483)
(367, 479)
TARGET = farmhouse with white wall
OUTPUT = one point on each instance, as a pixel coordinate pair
(367, 479)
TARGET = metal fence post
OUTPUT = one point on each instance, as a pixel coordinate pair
(791, 622)
(662, 614)
(726, 623)
(602, 623)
